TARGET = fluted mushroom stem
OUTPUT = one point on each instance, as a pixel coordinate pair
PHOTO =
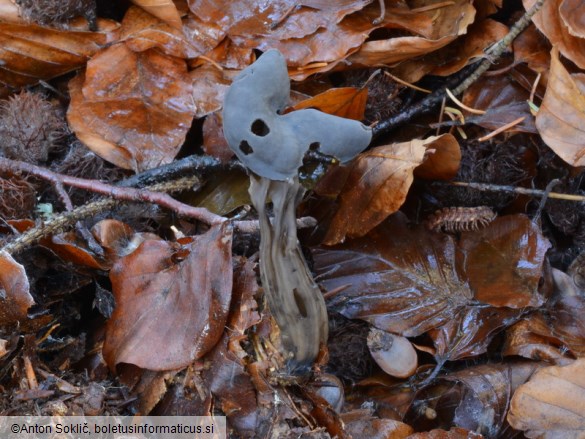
(293, 297)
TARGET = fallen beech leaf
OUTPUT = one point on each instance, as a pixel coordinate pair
(223, 193)
(209, 88)
(377, 185)
(532, 47)
(30, 53)
(71, 248)
(164, 10)
(451, 22)
(214, 142)
(348, 102)
(453, 57)
(475, 398)
(503, 100)
(571, 12)
(15, 299)
(555, 333)
(228, 379)
(141, 30)
(132, 109)
(549, 21)
(171, 301)
(552, 403)
(407, 281)
(443, 157)
(561, 118)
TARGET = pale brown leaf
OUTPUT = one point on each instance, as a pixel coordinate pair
(561, 118)
(552, 403)
(15, 298)
(164, 10)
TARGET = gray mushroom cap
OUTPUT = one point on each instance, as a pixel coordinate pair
(271, 144)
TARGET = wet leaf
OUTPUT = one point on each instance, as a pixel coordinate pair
(442, 158)
(71, 248)
(214, 142)
(141, 31)
(475, 398)
(408, 281)
(15, 298)
(228, 379)
(209, 87)
(503, 100)
(561, 118)
(549, 21)
(30, 53)
(171, 301)
(223, 193)
(376, 186)
(348, 102)
(132, 109)
(556, 333)
(552, 403)
(450, 22)
(164, 10)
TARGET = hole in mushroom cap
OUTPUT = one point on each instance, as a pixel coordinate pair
(300, 303)
(245, 147)
(260, 128)
(314, 146)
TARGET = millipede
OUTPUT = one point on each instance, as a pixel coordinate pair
(460, 219)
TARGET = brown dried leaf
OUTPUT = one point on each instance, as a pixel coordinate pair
(132, 109)
(442, 159)
(15, 299)
(552, 403)
(164, 10)
(30, 53)
(561, 118)
(454, 56)
(214, 142)
(449, 22)
(377, 185)
(141, 31)
(209, 88)
(253, 18)
(407, 281)
(549, 21)
(71, 248)
(348, 102)
(572, 12)
(171, 301)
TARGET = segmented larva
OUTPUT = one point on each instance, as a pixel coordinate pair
(460, 219)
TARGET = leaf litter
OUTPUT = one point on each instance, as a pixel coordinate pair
(172, 311)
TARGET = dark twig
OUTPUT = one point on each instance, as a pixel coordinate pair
(430, 102)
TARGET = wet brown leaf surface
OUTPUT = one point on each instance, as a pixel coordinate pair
(405, 280)
(132, 109)
(171, 303)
